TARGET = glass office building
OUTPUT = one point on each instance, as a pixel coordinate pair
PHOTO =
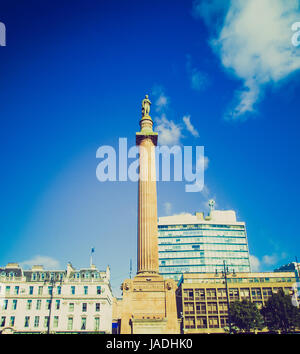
(196, 244)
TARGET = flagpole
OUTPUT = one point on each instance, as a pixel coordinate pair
(91, 257)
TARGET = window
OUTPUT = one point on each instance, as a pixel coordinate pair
(71, 306)
(50, 289)
(5, 304)
(70, 323)
(189, 308)
(7, 290)
(245, 293)
(26, 324)
(98, 290)
(212, 308)
(223, 321)
(59, 290)
(38, 304)
(211, 294)
(200, 308)
(40, 290)
(256, 293)
(233, 294)
(2, 322)
(48, 304)
(16, 291)
(97, 323)
(72, 290)
(83, 323)
(222, 294)
(14, 304)
(97, 306)
(199, 294)
(267, 292)
(36, 321)
(31, 290)
(201, 322)
(85, 290)
(84, 307)
(55, 322)
(12, 321)
(46, 321)
(188, 294)
(213, 322)
(57, 304)
(189, 322)
(29, 303)
(223, 307)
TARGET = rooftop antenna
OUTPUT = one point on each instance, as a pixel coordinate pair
(211, 204)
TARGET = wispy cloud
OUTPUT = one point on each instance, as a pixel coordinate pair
(189, 126)
(254, 263)
(47, 262)
(170, 133)
(161, 99)
(254, 44)
(198, 79)
(267, 261)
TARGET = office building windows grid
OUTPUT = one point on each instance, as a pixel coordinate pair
(208, 308)
(201, 249)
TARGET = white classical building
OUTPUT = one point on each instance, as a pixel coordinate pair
(55, 301)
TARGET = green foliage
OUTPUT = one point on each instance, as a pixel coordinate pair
(280, 314)
(245, 316)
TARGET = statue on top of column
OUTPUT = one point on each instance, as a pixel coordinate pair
(146, 106)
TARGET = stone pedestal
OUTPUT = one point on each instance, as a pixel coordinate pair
(149, 306)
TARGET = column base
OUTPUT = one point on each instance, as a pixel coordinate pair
(149, 305)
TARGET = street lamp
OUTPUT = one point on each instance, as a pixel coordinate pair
(224, 273)
(52, 282)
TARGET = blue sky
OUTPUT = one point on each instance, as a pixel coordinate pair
(220, 74)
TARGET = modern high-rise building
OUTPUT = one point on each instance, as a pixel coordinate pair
(196, 244)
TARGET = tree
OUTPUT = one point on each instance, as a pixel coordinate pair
(245, 316)
(280, 314)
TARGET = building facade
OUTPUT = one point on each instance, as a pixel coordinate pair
(290, 267)
(58, 301)
(202, 298)
(197, 244)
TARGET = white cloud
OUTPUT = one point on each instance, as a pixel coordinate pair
(211, 11)
(47, 262)
(169, 132)
(189, 126)
(266, 261)
(254, 44)
(254, 263)
(270, 260)
(161, 102)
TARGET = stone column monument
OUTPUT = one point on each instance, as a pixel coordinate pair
(149, 301)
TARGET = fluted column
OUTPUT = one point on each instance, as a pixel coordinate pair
(146, 139)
